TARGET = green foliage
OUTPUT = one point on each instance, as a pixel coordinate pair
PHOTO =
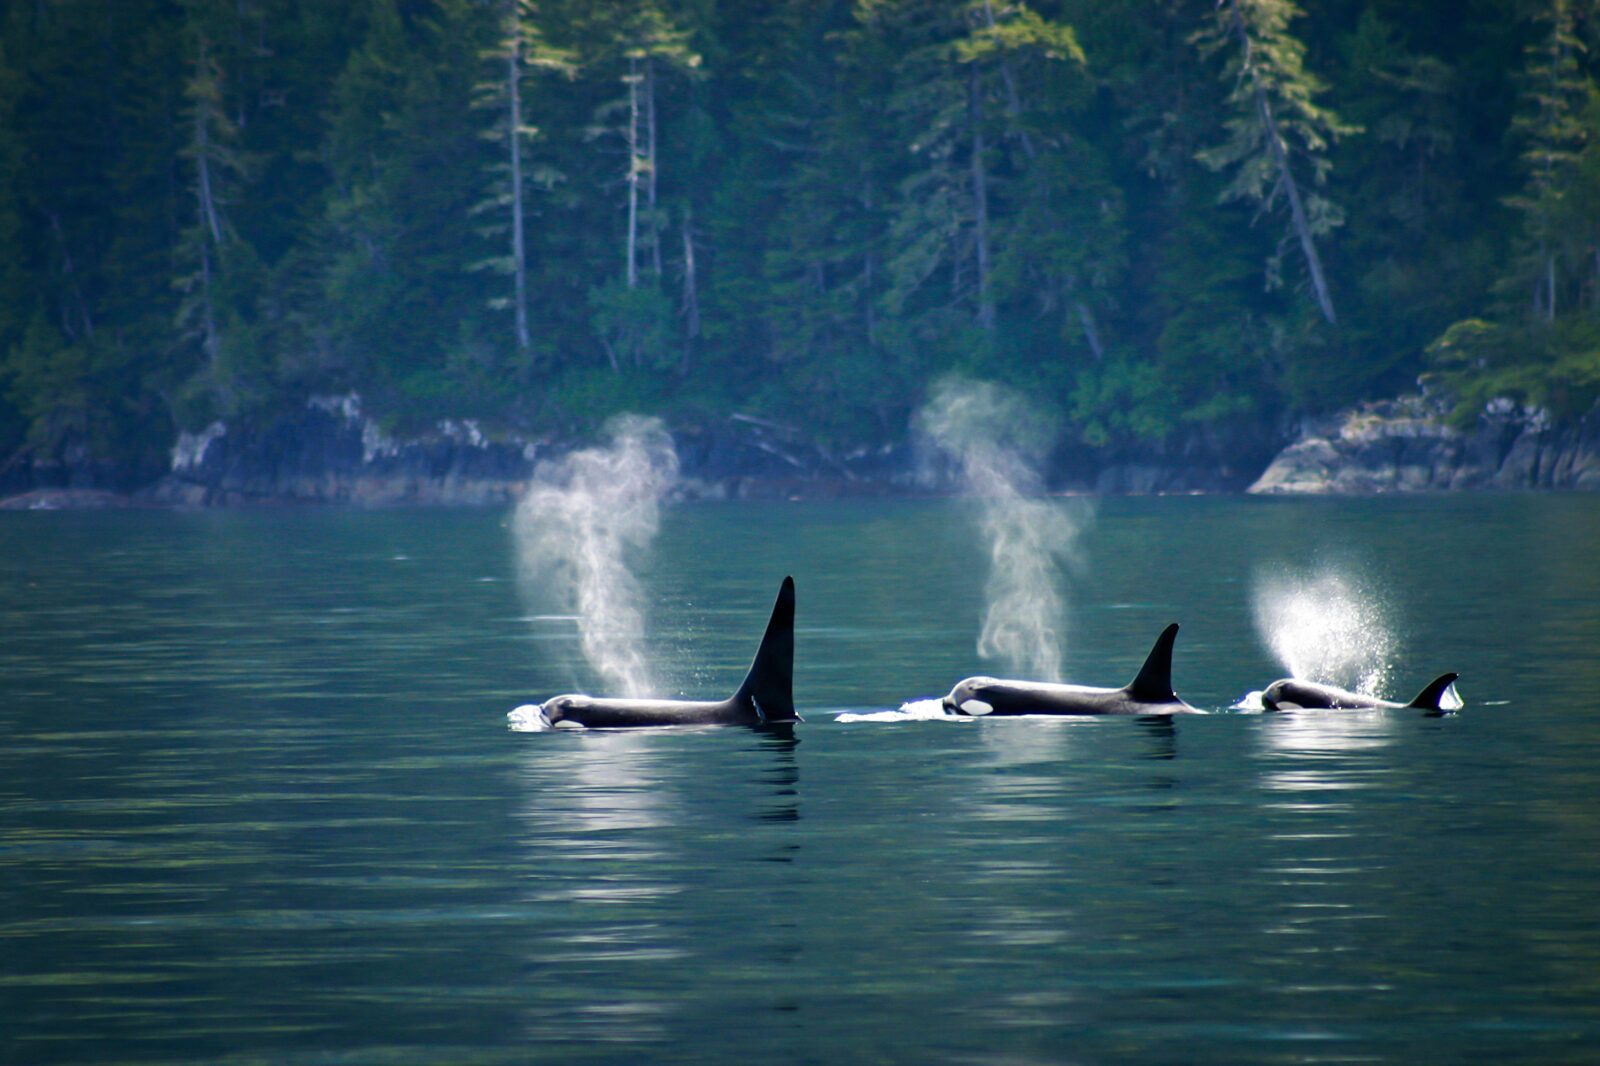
(1123, 398)
(75, 396)
(1552, 130)
(51, 384)
(800, 209)
(1275, 129)
(1557, 369)
(1541, 344)
(587, 396)
(634, 325)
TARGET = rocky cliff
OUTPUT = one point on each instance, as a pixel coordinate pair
(331, 452)
(1406, 445)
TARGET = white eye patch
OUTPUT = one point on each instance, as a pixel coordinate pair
(976, 708)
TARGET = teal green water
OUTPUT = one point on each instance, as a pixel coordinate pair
(258, 801)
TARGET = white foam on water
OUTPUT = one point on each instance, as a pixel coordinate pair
(528, 718)
(928, 710)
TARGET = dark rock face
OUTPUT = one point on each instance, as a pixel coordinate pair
(745, 457)
(74, 467)
(66, 500)
(331, 453)
(1405, 446)
(1203, 459)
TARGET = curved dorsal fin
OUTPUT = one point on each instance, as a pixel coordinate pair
(770, 682)
(1154, 683)
(1428, 699)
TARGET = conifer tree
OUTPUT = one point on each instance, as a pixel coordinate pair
(1550, 129)
(821, 149)
(406, 163)
(14, 294)
(1274, 126)
(520, 47)
(216, 169)
(631, 320)
(970, 83)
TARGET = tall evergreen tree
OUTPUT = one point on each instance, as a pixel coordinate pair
(521, 46)
(820, 146)
(406, 163)
(1274, 121)
(1552, 134)
(639, 44)
(216, 168)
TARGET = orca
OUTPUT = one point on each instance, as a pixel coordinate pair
(1148, 693)
(765, 698)
(1290, 694)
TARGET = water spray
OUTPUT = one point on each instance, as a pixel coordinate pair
(997, 440)
(575, 528)
(1322, 627)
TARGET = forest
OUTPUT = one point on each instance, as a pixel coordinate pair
(1152, 216)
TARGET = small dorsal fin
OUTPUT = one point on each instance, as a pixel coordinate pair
(770, 683)
(1154, 683)
(1428, 699)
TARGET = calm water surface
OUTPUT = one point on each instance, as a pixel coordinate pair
(258, 801)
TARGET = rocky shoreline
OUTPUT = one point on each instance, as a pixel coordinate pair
(332, 453)
(1407, 445)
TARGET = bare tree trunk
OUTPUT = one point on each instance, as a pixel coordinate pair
(633, 173)
(85, 319)
(1297, 210)
(519, 258)
(691, 294)
(869, 270)
(650, 174)
(205, 195)
(980, 206)
(1013, 100)
(1550, 287)
(1090, 332)
(210, 341)
(202, 158)
(1280, 158)
(691, 291)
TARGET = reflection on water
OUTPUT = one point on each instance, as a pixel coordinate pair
(1022, 740)
(1325, 872)
(1324, 750)
(639, 841)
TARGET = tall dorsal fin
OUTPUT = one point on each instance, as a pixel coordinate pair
(1154, 683)
(1428, 699)
(770, 682)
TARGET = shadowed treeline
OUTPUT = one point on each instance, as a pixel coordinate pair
(1161, 219)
